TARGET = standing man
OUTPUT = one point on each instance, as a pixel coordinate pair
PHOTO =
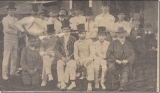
(137, 39)
(89, 25)
(120, 54)
(49, 53)
(105, 19)
(10, 42)
(122, 23)
(66, 66)
(83, 54)
(100, 49)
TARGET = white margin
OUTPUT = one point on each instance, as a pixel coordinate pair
(158, 51)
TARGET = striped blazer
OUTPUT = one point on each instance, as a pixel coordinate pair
(70, 46)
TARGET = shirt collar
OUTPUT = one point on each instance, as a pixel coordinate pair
(32, 48)
(149, 32)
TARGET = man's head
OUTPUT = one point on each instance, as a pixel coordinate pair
(53, 14)
(105, 8)
(136, 23)
(102, 33)
(77, 12)
(62, 13)
(121, 33)
(148, 27)
(11, 8)
(89, 13)
(43, 15)
(121, 16)
(32, 40)
(81, 31)
(72, 12)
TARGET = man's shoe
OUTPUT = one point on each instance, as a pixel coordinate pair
(59, 85)
(5, 77)
(102, 85)
(50, 77)
(121, 89)
(44, 83)
(73, 85)
(89, 87)
(97, 86)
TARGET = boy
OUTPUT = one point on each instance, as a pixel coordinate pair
(31, 63)
(83, 54)
(100, 49)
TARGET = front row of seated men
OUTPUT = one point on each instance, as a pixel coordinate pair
(69, 55)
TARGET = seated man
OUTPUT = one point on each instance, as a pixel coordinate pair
(83, 54)
(48, 51)
(66, 66)
(100, 49)
(120, 54)
(31, 63)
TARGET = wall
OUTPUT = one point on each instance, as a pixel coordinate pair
(151, 13)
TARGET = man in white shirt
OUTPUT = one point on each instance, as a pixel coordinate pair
(105, 19)
(89, 24)
(10, 42)
(122, 23)
(100, 50)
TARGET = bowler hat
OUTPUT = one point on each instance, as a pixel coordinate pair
(89, 11)
(81, 28)
(11, 5)
(120, 30)
(102, 30)
(50, 28)
(65, 23)
(147, 25)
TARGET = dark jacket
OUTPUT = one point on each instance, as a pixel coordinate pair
(70, 46)
(30, 59)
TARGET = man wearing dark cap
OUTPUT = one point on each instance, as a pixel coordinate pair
(83, 54)
(66, 65)
(89, 25)
(10, 42)
(105, 19)
(120, 54)
(137, 39)
(31, 63)
(122, 23)
(49, 53)
(100, 49)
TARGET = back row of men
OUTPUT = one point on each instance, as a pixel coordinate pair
(73, 44)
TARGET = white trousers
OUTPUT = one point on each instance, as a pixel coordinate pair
(10, 54)
(66, 70)
(90, 68)
(47, 63)
(103, 64)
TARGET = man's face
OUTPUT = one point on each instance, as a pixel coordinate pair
(11, 12)
(53, 14)
(82, 35)
(32, 42)
(105, 9)
(121, 16)
(66, 30)
(121, 35)
(77, 12)
(148, 29)
(136, 23)
(62, 13)
(41, 16)
(101, 37)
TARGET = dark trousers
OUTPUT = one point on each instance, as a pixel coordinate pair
(29, 79)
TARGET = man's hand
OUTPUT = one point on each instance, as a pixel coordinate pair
(138, 37)
(125, 61)
(89, 63)
(118, 61)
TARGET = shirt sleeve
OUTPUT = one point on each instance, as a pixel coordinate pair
(6, 27)
(20, 24)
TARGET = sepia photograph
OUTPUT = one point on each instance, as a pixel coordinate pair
(79, 45)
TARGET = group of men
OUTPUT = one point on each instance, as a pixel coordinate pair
(77, 45)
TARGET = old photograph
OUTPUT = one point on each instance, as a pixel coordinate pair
(79, 45)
